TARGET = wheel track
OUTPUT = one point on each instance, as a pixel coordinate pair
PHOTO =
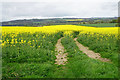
(90, 53)
(60, 55)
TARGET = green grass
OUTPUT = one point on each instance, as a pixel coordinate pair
(29, 60)
(105, 45)
(81, 66)
(27, 70)
(100, 25)
(25, 60)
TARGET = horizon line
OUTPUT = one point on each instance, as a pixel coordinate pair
(54, 18)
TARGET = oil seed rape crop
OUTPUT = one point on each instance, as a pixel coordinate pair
(54, 29)
(67, 29)
(33, 45)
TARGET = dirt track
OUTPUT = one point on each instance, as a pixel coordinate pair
(90, 53)
(60, 55)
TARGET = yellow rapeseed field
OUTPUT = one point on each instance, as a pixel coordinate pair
(74, 19)
(67, 29)
(56, 28)
(30, 51)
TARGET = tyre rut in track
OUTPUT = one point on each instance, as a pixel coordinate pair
(60, 55)
(90, 53)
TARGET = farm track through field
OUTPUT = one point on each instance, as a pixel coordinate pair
(90, 53)
(60, 55)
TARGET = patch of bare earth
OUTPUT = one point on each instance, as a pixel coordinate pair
(60, 55)
(90, 53)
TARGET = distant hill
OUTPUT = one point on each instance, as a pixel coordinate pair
(57, 21)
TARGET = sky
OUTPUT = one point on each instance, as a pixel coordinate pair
(41, 9)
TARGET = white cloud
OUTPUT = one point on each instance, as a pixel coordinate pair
(19, 9)
(59, 0)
